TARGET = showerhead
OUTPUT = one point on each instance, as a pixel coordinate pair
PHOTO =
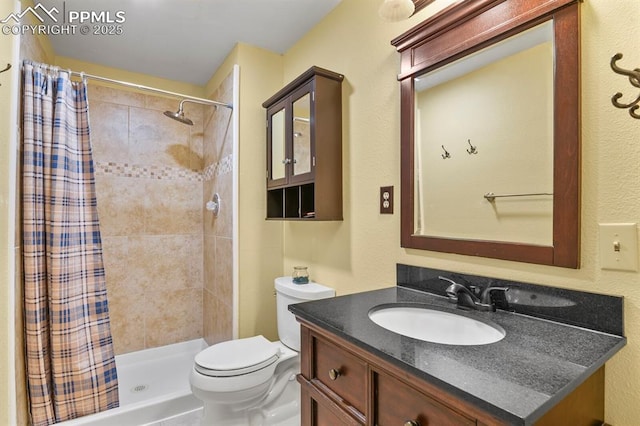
(179, 116)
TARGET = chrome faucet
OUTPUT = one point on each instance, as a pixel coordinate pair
(465, 298)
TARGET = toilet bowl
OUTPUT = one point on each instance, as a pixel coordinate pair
(251, 381)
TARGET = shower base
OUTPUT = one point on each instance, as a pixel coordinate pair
(153, 388)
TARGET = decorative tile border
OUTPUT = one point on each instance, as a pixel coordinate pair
(219, 168)
(222, 167)
(139, 171)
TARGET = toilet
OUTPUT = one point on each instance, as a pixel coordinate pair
(252, 381)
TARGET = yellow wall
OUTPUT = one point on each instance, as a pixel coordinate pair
(222, 72)
(360, 253)
(260, 241)
(7, 214)
(128, 76)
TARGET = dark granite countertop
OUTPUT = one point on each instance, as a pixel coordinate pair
(518, 378)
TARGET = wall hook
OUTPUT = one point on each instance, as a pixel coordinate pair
(446, 153)
(634, 79)
(472, 149)
(6, 69)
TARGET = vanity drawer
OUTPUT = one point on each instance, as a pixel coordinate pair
(318, 410)
(341, 372)
(397, 403)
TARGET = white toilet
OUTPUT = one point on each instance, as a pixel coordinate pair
(252, 381)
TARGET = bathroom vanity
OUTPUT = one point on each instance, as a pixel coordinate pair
(547, 370)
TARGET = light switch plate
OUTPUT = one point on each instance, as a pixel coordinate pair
(619, 246)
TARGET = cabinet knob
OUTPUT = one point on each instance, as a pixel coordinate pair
(286, 161)
(411, 423)
(334, 374)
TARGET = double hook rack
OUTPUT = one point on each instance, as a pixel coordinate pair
(634, 79)
(8, 67)
(471, 150)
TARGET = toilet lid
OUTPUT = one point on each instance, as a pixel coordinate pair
(236, 357)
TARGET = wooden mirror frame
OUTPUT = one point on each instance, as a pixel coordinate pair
(466, 27)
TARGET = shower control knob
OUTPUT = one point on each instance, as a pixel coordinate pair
(214, 205)
(334, 374)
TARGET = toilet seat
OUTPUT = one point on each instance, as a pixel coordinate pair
(236, 357)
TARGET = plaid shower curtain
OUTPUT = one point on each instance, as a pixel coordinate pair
(71, 367)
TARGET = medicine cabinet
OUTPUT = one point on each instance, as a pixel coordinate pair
(304, 148)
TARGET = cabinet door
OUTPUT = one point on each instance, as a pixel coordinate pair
(278, 157)
(302, 136)
(397, 403)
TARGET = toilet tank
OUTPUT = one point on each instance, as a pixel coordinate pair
(288, 293)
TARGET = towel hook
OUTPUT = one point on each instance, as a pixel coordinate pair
(634, 79)
(446, 153)
(472, 149)
(6, 69)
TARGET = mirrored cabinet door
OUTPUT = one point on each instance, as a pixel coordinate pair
(302, 154)
(291, 156)
(278, 146)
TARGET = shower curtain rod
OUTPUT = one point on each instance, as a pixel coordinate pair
(150, 89)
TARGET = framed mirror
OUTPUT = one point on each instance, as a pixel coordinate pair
(490, 135)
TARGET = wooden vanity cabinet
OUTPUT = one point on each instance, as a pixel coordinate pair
(396, 403)
(342, 384)
(304, 148)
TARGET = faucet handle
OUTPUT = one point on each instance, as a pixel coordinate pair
(440, 277)
(451, 291)
(486, 295)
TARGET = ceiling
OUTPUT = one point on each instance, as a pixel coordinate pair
(183, 40)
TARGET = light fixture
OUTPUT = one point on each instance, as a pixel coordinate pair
(396, 10)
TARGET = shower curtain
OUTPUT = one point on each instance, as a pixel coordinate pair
(71, 367)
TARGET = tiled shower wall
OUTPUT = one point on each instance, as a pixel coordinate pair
(218, 232)
(168, 260)
(149, 191)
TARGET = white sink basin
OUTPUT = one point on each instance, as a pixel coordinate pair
(431, 325)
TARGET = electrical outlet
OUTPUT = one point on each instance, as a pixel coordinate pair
(386, 200)
(619, 246)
